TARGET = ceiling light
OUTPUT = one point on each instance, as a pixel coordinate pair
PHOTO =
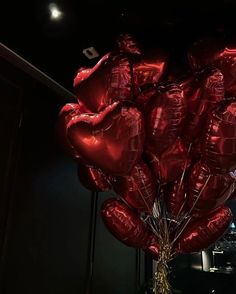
(55, 12)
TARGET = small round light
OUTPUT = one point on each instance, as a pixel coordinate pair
(55, 12)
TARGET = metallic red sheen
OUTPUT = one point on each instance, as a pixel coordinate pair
(111, 140)
(125, 224)
(138, 188)
(164, 118)
(203, 232)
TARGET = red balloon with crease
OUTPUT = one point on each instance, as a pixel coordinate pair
(206, 192)
(90, 177)
(108, 81)
(207, 91)
(111, 140)
(67, 112)
(138, 188)
(171, 164)
(201, 233)
(147, 71)
(164, 118)
(93, 178)
(125, 224)
(219, 141)
(214, 53)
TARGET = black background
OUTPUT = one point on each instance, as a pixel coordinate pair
(56, 46)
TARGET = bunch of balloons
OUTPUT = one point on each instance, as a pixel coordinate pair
(166, 145)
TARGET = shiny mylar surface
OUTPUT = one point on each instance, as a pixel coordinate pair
(92, 178)
(164, 118)
(128, 44)
(224, 58)
(125, 224)
(203, 232)
(138, 188)
(108, 81)
(207, 89)
(219, 142)
(170, 165)
(111, 140)
(147, 70)
(65, 115)
(175, 198)
(208, 191)
(89, 176)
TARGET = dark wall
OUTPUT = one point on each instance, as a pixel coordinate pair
(44, 211)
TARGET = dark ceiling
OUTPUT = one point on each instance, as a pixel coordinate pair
(56, 47)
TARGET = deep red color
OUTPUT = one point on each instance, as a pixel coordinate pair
(222, 57)
(206, 190)
(219, 141)
(207, 89)
(138, 188)
(170, 165)
(125, 224)
(164, 118)
(111, 140)
(147, 71)
(65, 115)
(89, 176)
(108, 81)
(203, 232)
(175, 198)
(92, 178)
(128, 44)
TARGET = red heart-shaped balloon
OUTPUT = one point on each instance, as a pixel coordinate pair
(148, 70)
(111, 140)
(170, 165)
(125, 224)
(208, 52)
(92, 178)
(206, 191)
(203, 232)
(138, 188)
(164, 118)
(67, 112)
(89, 176)
(219, 141)
(207, 90)
(108, 81)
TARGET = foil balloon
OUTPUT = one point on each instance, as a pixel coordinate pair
(127, 44)
(67, 112)
(144, 95)
(147, 71)
(219, 141)
(175, 198)
(164, 118)
(89, 176)
(203, 232)
(111, 140)
(171, 164)
(125, 224)
(208, 91)
(206, 192)
(108, 81)
(92, 178)
(205, 52)
(138, 188)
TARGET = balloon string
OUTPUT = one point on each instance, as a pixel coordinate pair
(147, 193)
(188, 214)
(185, 167)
